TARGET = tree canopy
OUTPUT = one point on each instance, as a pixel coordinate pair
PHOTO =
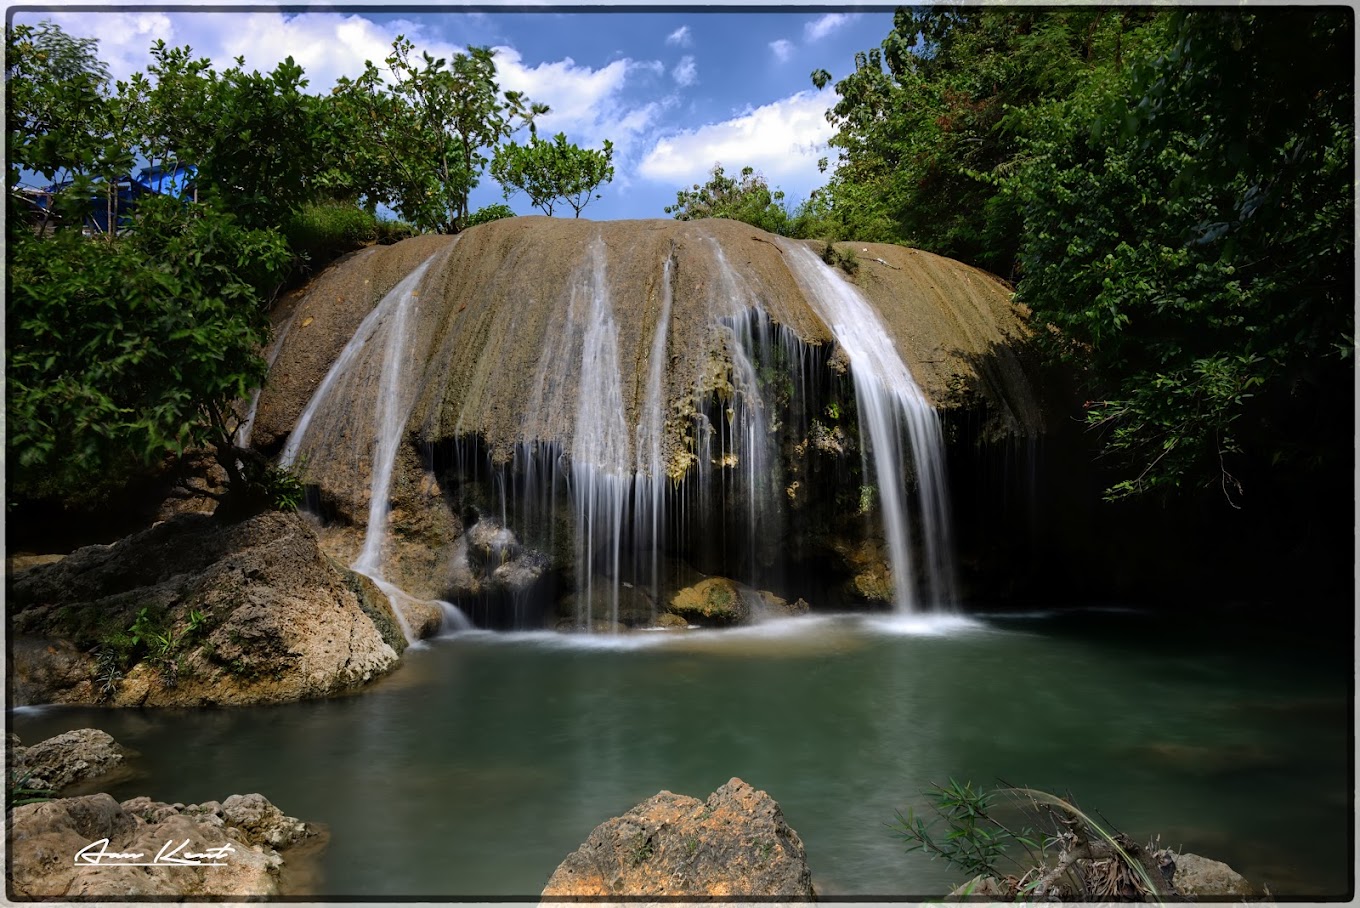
(1171, 191)
(552, 172)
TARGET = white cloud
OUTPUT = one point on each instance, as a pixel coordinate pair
(782, 140)
(783, 50)
(685, 72)
(680, 37)
(325, 45)
(820, 28)
(587, 104)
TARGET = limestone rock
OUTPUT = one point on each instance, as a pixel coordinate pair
(44, 840)
(737, 844)
(1200, 878)
(714, 601)
(718, 601)
(277, 619)
(261, 822)
(71, 757)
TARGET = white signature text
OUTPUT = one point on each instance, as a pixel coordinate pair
(97, 854)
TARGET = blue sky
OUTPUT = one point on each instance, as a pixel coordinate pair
(676, 91)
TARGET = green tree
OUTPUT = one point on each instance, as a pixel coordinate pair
(926, 120)
(552, 172)
(1188, 227)
(430, 133)
(125, 351)
(61, 122)
(748, 199)
(123, 348)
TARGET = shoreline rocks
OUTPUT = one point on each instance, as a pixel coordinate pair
(71, 758)
(197, 612)
(233, 850)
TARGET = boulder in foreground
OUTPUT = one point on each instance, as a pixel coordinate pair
(228, 850)
(735, 844)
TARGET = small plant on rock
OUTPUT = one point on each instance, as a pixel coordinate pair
(1073, 858)
(20, 792)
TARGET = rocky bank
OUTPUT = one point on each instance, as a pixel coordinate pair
(195, 612)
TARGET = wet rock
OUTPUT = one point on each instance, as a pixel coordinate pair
(634, 604)
(46, 670)
(255, 613)
(1201, 878)
(736, 844)
(712, 601)
(45, 839)
(69, 758)
(720, 602)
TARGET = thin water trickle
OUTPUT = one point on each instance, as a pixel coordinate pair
(383, 341)
(891, 406)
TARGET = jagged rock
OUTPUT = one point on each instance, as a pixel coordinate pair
(70, 757)
(278, 619)
(45, 840)
(736, 844)
(1200, 878)
(262, 822)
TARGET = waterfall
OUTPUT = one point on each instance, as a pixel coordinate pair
(600, 461)
(638, 407)
(382, 342)
(650, 476)
(889, 401)
(243, 432)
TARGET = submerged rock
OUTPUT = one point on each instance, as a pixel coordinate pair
(197, 612)
(736, 844)
(46, 842)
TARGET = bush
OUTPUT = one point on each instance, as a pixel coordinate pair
(389, 232)
(490, 213)
(325, 231)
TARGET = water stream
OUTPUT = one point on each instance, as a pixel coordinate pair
(901, 425)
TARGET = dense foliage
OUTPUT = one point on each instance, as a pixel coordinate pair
(132, 341)
(749, 198)
(1171, 190)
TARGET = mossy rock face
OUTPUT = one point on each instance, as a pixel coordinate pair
(714, 601)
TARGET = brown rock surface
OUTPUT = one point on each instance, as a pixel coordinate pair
(1202, 878)
(736, 844)
(67, 759)
(280, 620)
(45, 839)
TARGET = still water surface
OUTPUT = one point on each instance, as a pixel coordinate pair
(486, 758)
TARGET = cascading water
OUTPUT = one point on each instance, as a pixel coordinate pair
(889, 401)
(585, 422)
(600, 457)
(383, 344)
